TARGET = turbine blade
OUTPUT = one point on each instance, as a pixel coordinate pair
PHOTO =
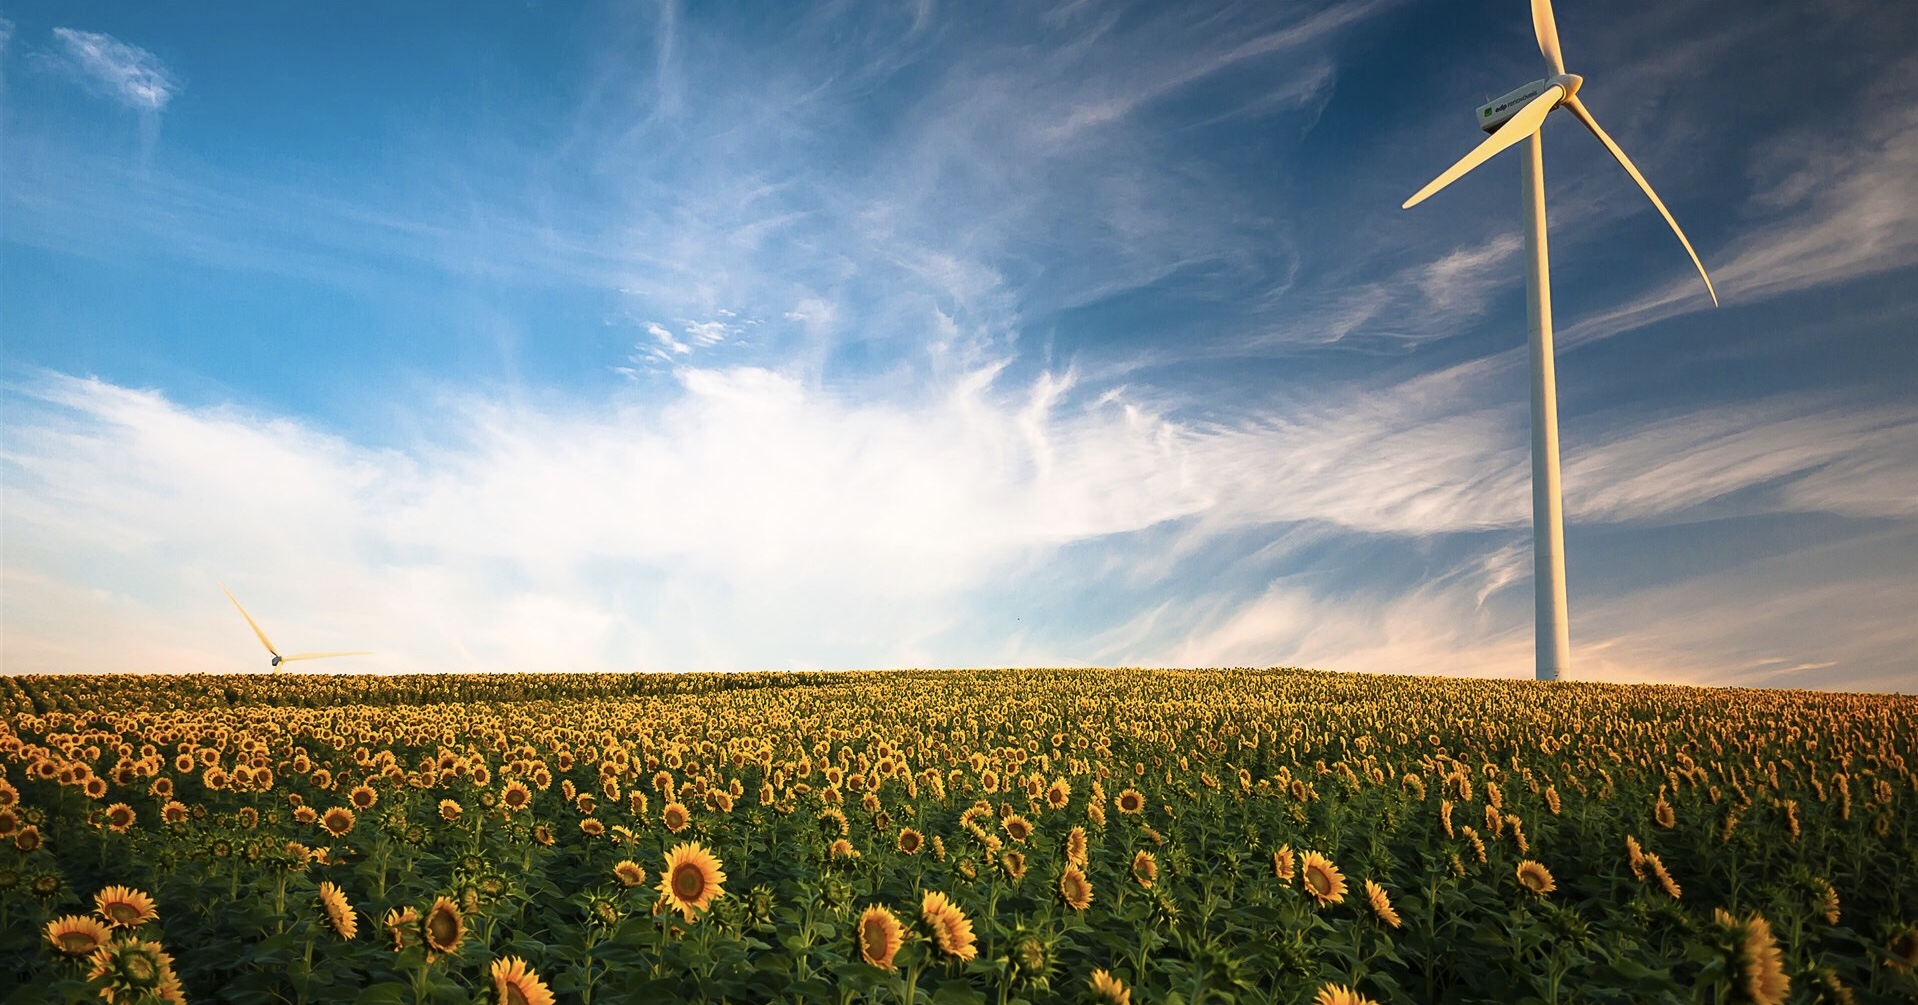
(1578, 108)
(1524, 124)
(249, 620)
(1546, 27)
(321, 656)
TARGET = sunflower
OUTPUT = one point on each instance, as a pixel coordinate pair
(402, 923)
(1017, 827)
(1445, 816)
(1662, 811)
(1109, 990)
(339, 913)
(951, 929)
(363, 797)
(1901, 950)
(1282, 864)
(910, 841)
(1074, 888)
(124, 907)
(1758, 966)
(592, 827)
(516, 984)
(675, 817)
(1013, 863)
(841, 849)
(1381, 904)
(1145, 869)
(1536, 878)
(77, 934)
(1322, 879)
(449, 810)
(338, 821)
(1058, 793)
(1131, 803)
(1635, 857)
(880, 936)
(443, 928)
(120, 817)
(693, 877)
(1339, 994)
(629, 873)
(1665, 879)
(134, 970)
(174, 812)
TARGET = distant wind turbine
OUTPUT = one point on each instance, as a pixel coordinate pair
(268, 643)
(1514, 118)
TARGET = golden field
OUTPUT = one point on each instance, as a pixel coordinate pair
(1239, 835)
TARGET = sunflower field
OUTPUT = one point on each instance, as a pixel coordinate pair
(1256, 836)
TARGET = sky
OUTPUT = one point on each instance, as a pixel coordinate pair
(721, 336)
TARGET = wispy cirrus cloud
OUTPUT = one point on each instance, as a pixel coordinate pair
(127, 73)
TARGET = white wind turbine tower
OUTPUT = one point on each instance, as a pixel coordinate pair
(1515, 118)
(268, 643)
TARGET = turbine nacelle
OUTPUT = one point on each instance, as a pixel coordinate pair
(1500, 110)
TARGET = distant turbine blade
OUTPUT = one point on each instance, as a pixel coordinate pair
(1546, 27)
(1524, 124)
(322, 656)
(1578, 108)
(249, 620)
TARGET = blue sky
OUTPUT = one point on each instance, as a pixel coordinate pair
(549, 336)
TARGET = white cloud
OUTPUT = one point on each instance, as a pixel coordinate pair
(755, 521)
(666, 339)
(128, 73)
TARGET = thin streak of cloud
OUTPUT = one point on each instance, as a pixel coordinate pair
(132, 75)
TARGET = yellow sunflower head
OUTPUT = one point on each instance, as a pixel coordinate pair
(1074, 888)
(1536, 878)
(339, 913)
(1381, 904)
(1076, 846)
(880, 936)
(443, 928)
(910, 841)
(675, 817)
(1109, 990)
(1145, 869)
(692, 878)
(1338, 994)
(77, 934)
(119, 817)
(629, 873)
(338, 821)
(1131, 803)
(124, 907)
(1757, 964)
(402, 923)
(1322, 879)
(134, 970)
(363, 797)
(1283, 863)
(949, 927)
(515, 983)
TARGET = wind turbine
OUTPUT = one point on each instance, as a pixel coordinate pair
(268, 643)
(1515, 118)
